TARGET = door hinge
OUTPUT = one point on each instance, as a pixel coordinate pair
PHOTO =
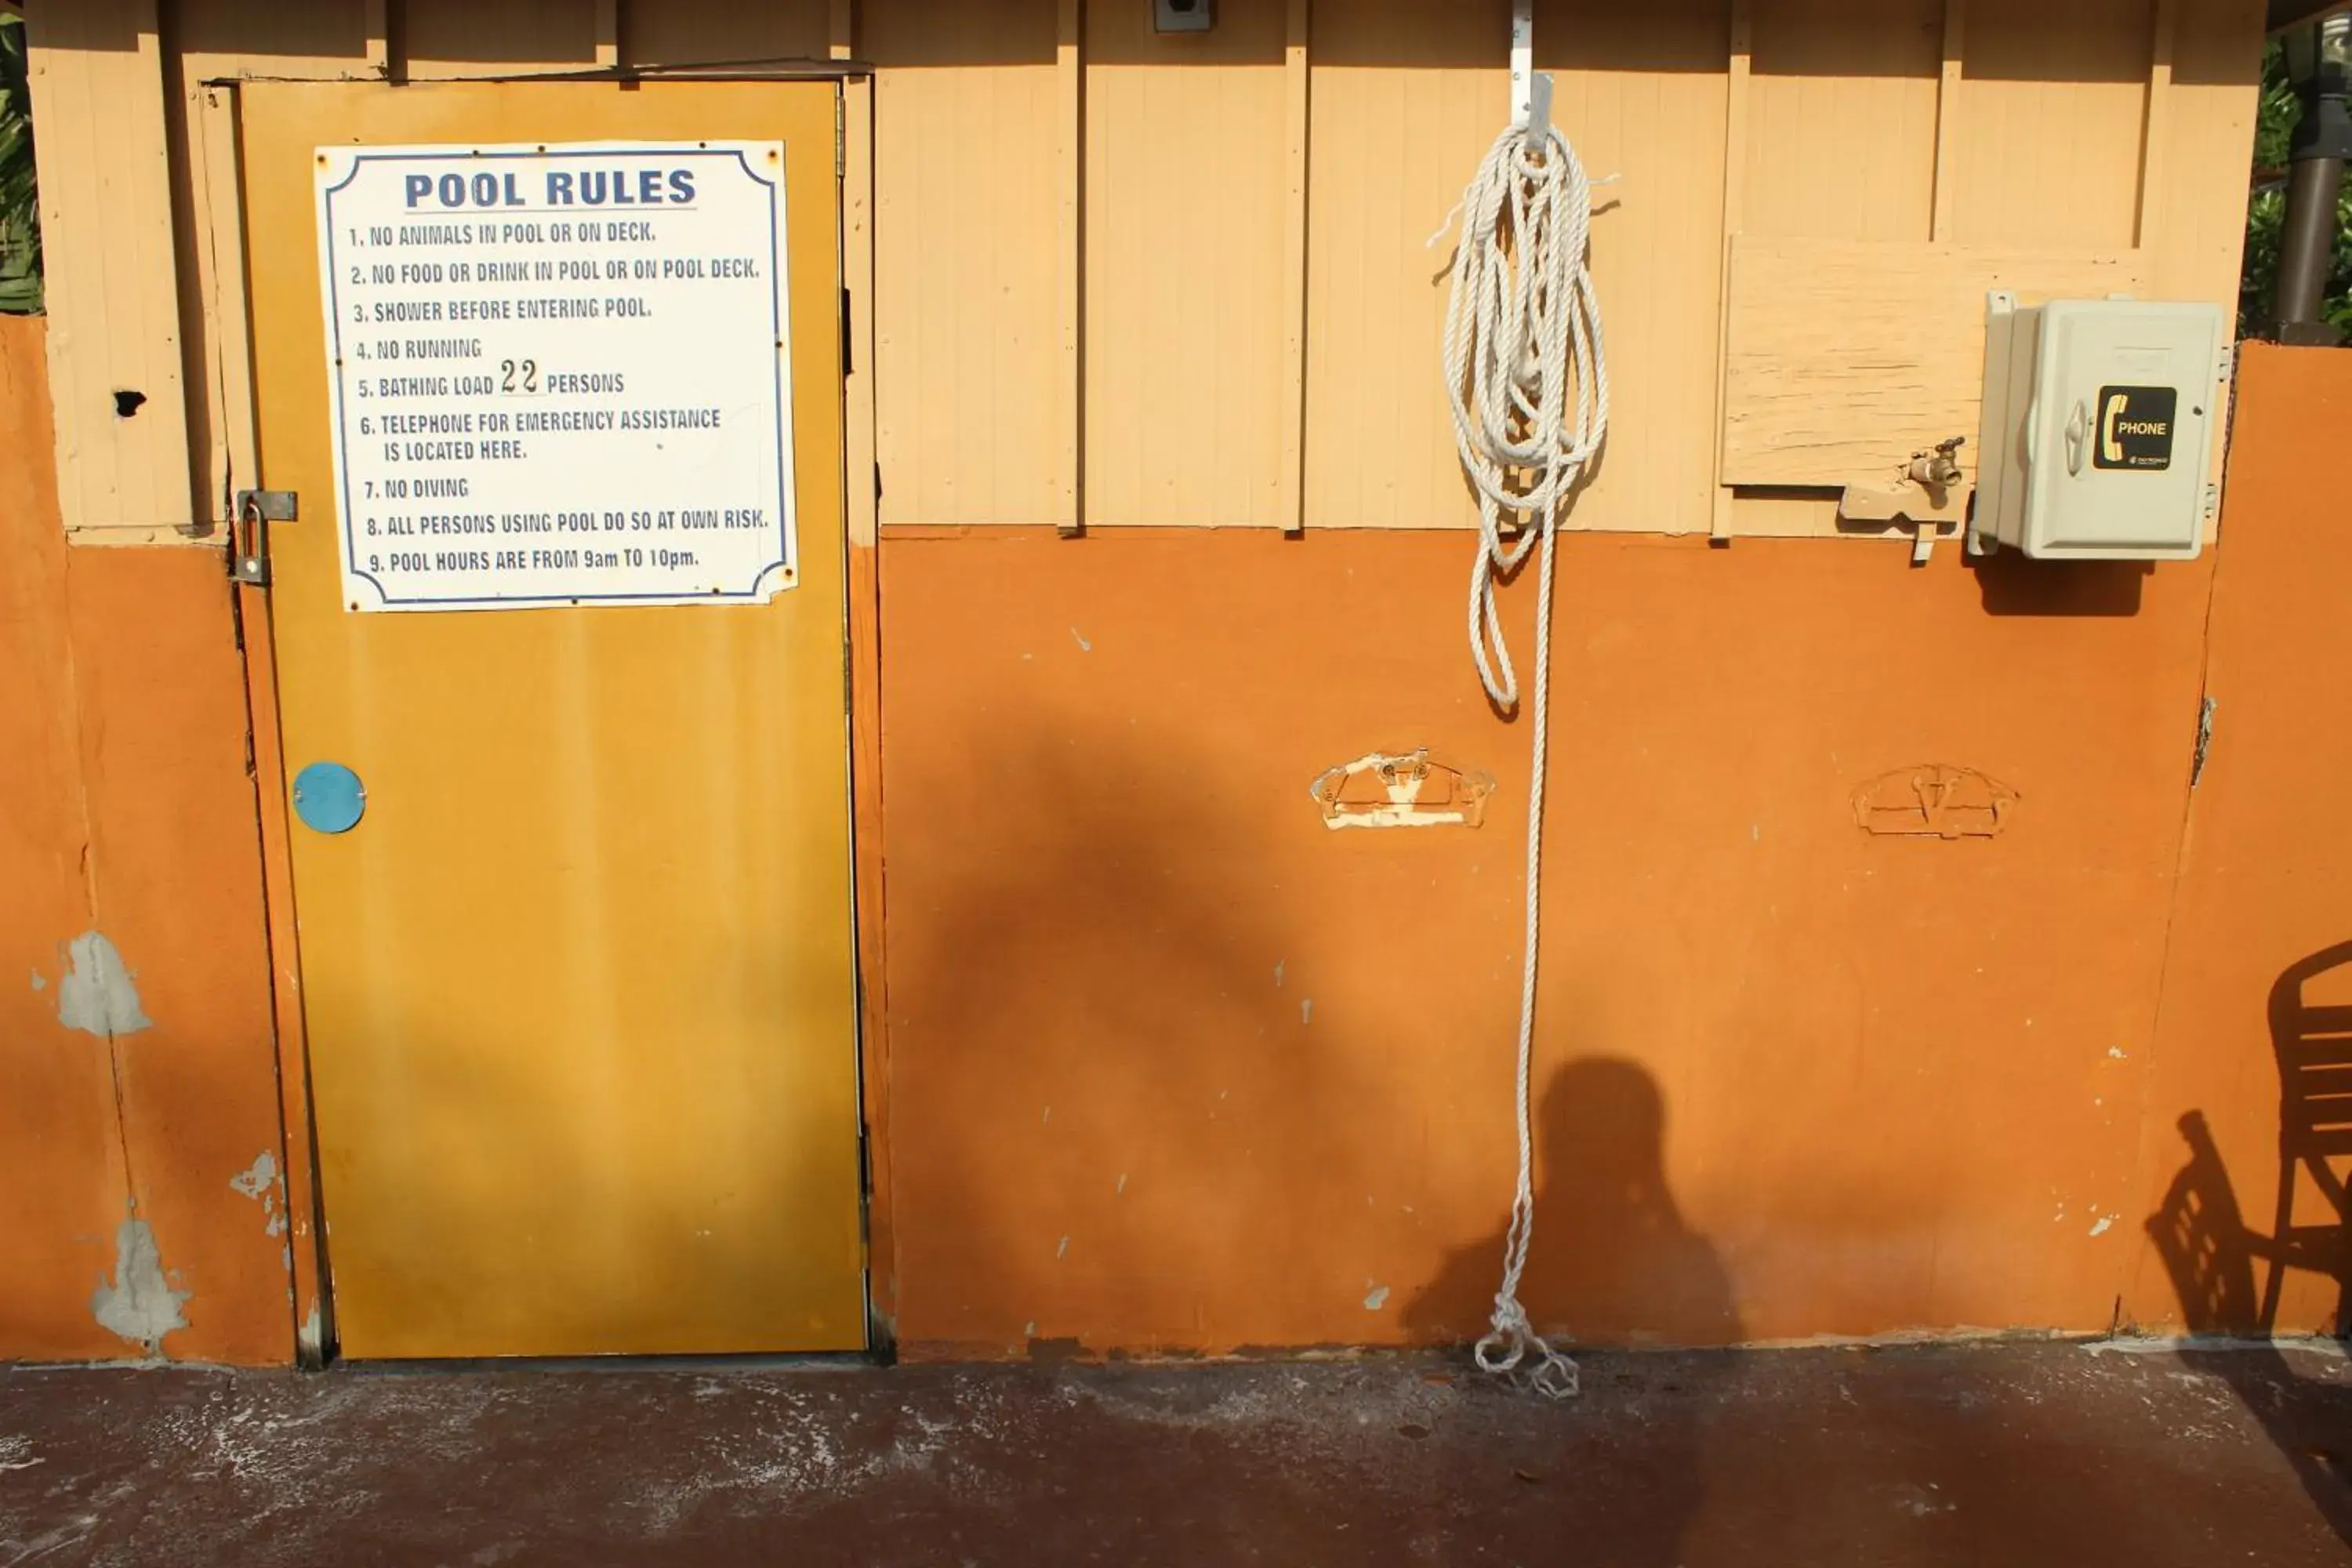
(248, 531)
(840, 135)
(2204, 740)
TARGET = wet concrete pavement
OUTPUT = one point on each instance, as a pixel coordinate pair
(2009, 1454)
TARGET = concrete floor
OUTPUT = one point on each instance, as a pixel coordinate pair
(2008, 1455)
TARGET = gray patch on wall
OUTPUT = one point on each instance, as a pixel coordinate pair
(96, 994)
(254, 1182)
(310, 1339)
(141, 1304)
(259, 1182)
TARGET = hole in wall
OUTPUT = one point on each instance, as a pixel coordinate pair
(127, 401)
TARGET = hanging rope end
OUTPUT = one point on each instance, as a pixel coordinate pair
(1514, 1350)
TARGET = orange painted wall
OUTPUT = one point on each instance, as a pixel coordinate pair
(1173, 1066)
(128, 811)
(2266, 868)
(1176, 1066)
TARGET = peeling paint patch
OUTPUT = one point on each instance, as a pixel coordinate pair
(311, 1336)
(1376, 1298)
(1084, 646)
(139, 1304)
(1277, 976)
(256, 1179)
(2106, 1220)
(40, 980)
(1306, 1010)
(1407, 790)
(259, 1181)
(1061, 1249)
(96, 994)
(1121, 1188)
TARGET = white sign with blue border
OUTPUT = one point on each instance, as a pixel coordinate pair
(559, 374)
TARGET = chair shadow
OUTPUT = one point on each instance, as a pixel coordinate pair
(2313, 1044)
(1612, 1263)
(2213, 1257)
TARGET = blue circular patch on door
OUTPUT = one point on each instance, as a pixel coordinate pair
(328, 797)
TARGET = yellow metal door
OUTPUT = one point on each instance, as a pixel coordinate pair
(580, 983)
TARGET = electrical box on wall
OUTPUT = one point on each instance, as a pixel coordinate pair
(2096, 440)
(1184, 15)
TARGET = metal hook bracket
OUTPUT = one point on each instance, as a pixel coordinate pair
(248, 533)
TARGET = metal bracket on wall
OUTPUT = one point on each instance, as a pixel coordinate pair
(248, 531)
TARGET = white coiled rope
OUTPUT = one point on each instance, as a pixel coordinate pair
(1522, 329)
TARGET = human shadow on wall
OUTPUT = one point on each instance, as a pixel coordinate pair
(2213, 1256)
(1613, 1262)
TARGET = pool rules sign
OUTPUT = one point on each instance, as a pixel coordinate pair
(559, 374)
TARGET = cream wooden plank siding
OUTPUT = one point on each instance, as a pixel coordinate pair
(664, 32)
(1184, 348)
(458, 38)
(1069, 265)
(113, 293)
(222, 416)
(1638, 94)
(1848, 357)
(2052, 102)
(1841, 119)
(2217, 51)
(966, 348)
(1642, 97)
(1389, 154)
(1185, 187)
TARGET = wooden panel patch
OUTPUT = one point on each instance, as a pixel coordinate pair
(1846, 356)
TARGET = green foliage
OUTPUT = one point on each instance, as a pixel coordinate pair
(20, 221)
(2276, 117)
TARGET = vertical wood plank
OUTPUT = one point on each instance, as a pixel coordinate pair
(219, 243)
(2155, 136)
(113, 294)
(1842, 117)
(967, 335)
(873, 970)
(1291, 478)
(217, 205)
(1069, 261)
(2053, 102)
(1948, 114)
(304, 1232)
(608, 33)
(859, 492)
(858, 447)
(1186, 208)
(841, 29)
(1735, 181)
(377, 18)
